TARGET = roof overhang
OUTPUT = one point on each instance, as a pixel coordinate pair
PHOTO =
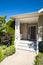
(28, 17)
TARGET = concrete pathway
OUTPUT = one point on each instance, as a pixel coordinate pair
(21, 57)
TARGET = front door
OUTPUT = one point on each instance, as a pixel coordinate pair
(32, 32)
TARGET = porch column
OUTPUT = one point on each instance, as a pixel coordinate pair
(17, 31)
(37, 45)
(40, 28)
(40, 31)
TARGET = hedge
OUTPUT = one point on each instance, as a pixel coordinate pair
(6, 52)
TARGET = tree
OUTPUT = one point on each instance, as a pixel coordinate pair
(2, 23)
(5, 37)
(2, 26)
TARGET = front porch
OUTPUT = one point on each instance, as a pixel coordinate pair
(26, 34)
(27, 45)
(28, 31)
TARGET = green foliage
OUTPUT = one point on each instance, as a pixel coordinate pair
(10, 50)
(11, 29)
(3, 46)
(41, 46)
(2, 28)
(2, 18)
(6, 52)
(39, 59)
(2, 56)
(2, 23)
(11, 22)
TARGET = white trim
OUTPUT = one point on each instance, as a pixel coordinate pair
(40, 10)
(17, 30)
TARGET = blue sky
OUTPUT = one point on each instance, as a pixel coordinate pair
(14, 7)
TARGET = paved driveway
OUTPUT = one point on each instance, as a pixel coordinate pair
(21, 57)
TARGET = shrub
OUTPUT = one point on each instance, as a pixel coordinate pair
(2, 56)
(39, 59)
(6, 52)
(3, 47)
(41, 46)
(10, 50)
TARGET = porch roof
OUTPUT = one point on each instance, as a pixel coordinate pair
(28, 17)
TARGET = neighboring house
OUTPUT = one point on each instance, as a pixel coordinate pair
(28, 30)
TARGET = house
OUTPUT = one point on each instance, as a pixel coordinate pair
(28, 30)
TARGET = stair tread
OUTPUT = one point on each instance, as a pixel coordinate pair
(26, 49)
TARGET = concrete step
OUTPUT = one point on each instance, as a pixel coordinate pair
(25, 42)
(25, 45)
(25, 48)
(20, 44)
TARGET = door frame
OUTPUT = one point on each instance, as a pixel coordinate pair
(30, 25)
